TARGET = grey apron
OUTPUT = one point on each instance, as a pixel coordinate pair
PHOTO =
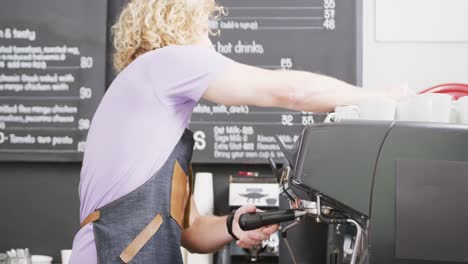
(145, 225)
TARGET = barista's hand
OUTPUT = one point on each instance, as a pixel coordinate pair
(249, 239)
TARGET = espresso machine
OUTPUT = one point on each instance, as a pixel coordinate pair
(390, 192)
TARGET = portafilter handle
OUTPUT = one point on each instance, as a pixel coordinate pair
(251, 221)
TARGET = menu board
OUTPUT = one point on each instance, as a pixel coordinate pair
(52, 76)
(309, 35)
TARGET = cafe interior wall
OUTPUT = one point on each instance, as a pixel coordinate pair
(420, 42)
(39, 203)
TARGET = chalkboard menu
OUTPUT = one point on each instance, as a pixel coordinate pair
(52, 76)
(309, 35)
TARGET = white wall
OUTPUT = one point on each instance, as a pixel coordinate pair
(422, 42)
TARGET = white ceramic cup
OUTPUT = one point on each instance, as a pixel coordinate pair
(41, 259)
(377, 108)
(343, 112)
(66, 253)
(402, 110)
(454, 112)
(203, 193)
(425, 108)
(462, 110)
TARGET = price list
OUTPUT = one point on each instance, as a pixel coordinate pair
(52, 77)
(308, 35)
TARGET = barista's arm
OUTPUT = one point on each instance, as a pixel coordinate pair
(209, 233)
(296, 90)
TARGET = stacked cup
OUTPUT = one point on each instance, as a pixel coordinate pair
(462, 110)
(431, 107)
(376, 108)
(203, 196)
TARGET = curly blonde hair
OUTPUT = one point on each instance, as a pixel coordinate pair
(145, 25)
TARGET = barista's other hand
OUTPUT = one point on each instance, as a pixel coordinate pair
(398, 91)
(249, 239)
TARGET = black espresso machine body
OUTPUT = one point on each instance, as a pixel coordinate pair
(404, 183)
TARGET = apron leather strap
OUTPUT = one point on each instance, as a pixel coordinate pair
(92, 217)
(139, 242)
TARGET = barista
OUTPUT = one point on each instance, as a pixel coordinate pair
(136, 174)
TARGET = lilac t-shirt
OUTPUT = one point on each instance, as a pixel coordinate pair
(136, 126)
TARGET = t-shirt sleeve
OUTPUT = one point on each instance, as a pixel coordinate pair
(183, 73)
